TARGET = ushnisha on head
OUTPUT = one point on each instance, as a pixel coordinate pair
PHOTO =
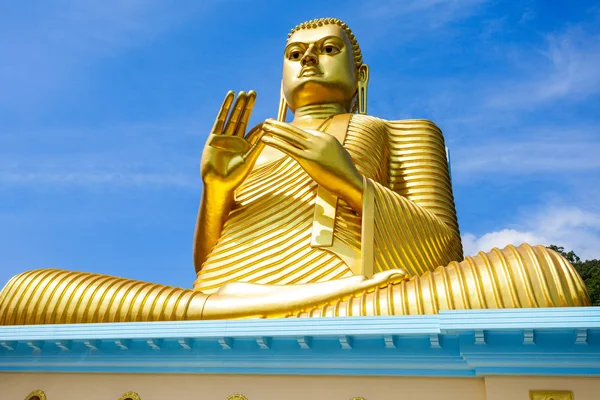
(323, 65)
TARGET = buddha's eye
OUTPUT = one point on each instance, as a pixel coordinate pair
(330, 49)
(295, 55)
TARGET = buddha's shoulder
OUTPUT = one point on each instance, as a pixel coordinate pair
(400, 126)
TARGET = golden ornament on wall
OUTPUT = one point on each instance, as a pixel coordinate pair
(36, 395)
(130, 396)
(550, 395)
(237, 397)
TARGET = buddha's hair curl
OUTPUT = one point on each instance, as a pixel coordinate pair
(315, 23)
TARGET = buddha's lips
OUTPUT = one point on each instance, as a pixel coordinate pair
(309, 71)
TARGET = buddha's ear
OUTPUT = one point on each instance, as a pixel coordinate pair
(363, 74)
(361, 88)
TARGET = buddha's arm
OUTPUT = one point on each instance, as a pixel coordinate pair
(420, 179)
(408, 218)
(397, 233)
(218, 196)
(418, 168)
(228, 157)
(212, 214)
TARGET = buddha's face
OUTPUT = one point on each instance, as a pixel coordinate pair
(319, 68)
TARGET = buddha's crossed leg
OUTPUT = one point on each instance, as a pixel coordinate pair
(515, 277)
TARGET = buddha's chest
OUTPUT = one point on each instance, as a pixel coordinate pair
(366, 143)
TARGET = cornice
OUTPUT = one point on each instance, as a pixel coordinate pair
(563, 341)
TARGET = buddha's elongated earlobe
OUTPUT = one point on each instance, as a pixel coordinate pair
(282, 106)
(362, 86)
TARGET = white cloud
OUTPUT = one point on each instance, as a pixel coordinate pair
(571, 227)
(473, 244)
(545, 151)
(502, 135)
(566, 68)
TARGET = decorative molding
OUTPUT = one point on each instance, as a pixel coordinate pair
(314, 327)
(237, 397)
(226, 343)
(130, 396)
(185, 343)
(390, 341)
(521, 318)
(479, 336)
(346, 342)
(582, 336)
(540, 342)
(35, 345)
(434, 341)
(264, 343)
(122, 344)
(304, 342)
(154, 344)
(550, 395)
(91, 344)
(36, 395)
(8, 344)
(528, 336)
(63, 345)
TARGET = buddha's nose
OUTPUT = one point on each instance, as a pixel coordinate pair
(309, 57)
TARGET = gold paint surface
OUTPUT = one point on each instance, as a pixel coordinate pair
(36, 395)
(237, 397)
(130, 396)
(550, 395)
(334, 214)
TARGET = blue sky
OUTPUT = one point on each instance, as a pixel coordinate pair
(105, 107)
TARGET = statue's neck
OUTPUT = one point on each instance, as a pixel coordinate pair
(318, 111)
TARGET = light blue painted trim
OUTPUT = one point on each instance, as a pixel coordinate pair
(570, 318)
(526, 318)
(562, 341)
(229, 328)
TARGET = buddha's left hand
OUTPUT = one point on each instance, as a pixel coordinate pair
(322, 156)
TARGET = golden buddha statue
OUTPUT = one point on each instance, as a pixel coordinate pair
(334, 214)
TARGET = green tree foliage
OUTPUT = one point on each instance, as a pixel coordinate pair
(589, 270)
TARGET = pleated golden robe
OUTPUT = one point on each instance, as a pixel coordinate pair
(408, 221)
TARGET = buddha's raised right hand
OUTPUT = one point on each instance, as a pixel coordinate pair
(230, 153)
